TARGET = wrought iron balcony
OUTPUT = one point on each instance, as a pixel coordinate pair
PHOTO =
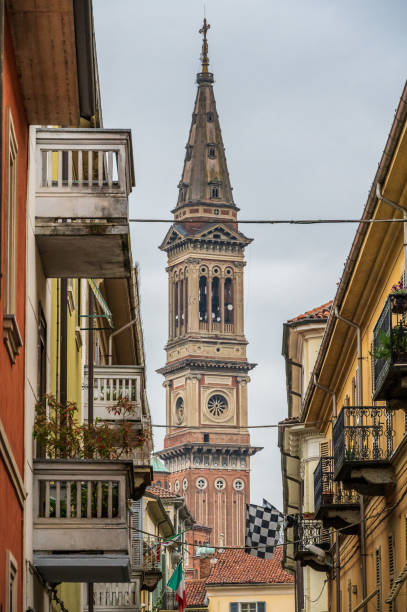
(81, 521)
(151, 566)
(83, 178)
(364, 441)
(336, 506)
(390, 350)
(312, 543)
(169, 600)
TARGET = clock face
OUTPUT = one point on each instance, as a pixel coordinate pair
(179, 410)
(217, 405)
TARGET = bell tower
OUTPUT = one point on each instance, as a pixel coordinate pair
(207, 447)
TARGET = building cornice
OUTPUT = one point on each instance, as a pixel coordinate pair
(206, 364)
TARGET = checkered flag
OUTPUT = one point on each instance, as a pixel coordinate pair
(263, 525)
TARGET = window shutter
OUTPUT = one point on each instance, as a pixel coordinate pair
(324, 449)
(379, 580)
(390, 542)
(261, 606)
(233, 607)
(136, 525)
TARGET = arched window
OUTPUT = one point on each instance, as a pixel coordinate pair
(181, 303)
(158, 483)
(214, 192)
(229, 306)
(176, 304)
(215, 300)
(203, 310)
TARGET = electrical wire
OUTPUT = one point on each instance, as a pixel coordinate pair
(282, 425)
(276, 221)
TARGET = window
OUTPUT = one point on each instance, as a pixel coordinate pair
(214, 192)
(176, 486)
(217, 405)
(11, 332)
(220, 484)
(10, 251)
(215, 298)
(379, 580)
(210, 116)
(179, 409)
(391, 566)
(238, 484)
(185, 484)
(255, 606)
(201, 483)
(11, 583)
(228, 297)
(212, 152)
(203, 314)
(206, 438)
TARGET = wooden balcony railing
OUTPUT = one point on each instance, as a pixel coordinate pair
(112, 383)
(81, 509)
(83, 173)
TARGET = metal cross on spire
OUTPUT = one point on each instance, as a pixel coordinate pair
(204, 54)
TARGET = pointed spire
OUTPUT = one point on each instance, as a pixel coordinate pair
(205, 182)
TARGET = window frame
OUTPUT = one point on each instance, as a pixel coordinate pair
(11, 218)
(11, 583)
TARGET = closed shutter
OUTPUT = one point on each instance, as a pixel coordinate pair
(261, 606)
(390, 542)
(233, 607)
(136, 537)
(324, 449)
(379, 580)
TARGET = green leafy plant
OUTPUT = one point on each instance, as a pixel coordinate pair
(385, 349)
(60, 435)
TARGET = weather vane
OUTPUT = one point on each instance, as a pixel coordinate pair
(204, 54)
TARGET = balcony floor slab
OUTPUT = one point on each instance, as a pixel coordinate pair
(84, 250)
(83, 568)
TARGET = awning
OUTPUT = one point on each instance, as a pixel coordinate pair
(102, 302)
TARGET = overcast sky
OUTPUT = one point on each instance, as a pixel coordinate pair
(306, 92)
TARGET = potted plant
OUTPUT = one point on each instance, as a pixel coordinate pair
(394, 348)
(398, 298)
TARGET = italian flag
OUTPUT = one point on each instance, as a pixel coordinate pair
(177, 584)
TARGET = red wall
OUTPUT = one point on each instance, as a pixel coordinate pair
(12, 376)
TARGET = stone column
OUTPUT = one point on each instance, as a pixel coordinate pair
(222, 300)
(193, 292)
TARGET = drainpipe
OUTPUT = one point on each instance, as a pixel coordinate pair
(330, 392)
(402, 210)
(362, 501)
(118, 331)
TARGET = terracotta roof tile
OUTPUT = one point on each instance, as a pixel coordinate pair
(161, 492)
(195, 592)
(238, 567)
(321, 312)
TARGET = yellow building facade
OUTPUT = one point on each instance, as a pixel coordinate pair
(356, 403)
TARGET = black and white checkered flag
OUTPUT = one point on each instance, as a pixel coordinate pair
(263, 525)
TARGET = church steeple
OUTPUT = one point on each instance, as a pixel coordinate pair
(204, 189)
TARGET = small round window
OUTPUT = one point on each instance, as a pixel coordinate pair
(185, 484)
(179, 409)
(220, 484)
(201, 483)
(176, 486)
(238, 484)
(216, 211)
(217, 405)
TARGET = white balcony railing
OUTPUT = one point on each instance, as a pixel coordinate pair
(110, 384)
(83, 173)
(81, 510)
